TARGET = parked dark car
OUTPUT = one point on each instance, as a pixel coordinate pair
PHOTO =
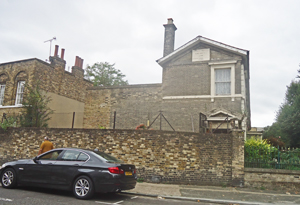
(82, 171)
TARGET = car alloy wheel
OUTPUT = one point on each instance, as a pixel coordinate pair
(8, 178)
(83, 187)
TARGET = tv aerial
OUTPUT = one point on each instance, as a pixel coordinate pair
(54, 38)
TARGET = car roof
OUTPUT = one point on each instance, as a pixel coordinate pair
(72, 148)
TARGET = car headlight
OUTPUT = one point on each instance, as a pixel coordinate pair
(3, 165)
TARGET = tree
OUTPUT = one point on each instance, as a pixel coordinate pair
(274, 132)
(288, 115)
(105, 74)
(287, 125)
(36, 111)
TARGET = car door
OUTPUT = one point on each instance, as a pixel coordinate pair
(39, 170)
(67, 166)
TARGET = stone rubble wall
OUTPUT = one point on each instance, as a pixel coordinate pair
(162, 156)
(272, 178)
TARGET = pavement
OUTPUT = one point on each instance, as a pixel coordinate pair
(218, 195)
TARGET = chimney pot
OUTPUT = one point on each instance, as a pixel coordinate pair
(81, 64)
(76, 61)
(62, 55)
(170, 21)
(56, 50)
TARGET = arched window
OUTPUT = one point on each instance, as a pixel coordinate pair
(20, 81)
(20, 92)
(3, 79)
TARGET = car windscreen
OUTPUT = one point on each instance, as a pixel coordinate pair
(106, 157)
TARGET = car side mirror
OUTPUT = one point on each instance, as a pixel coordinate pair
(36, 160)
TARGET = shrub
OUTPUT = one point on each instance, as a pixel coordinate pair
(258, 149)
(8, 122)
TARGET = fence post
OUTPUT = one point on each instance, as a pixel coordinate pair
(73, 120)
(115, 114)
(278, 158)
(160, 120)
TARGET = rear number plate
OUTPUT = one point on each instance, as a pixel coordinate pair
(128, 173)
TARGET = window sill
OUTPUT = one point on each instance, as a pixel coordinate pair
(11, 106)
(201, 96)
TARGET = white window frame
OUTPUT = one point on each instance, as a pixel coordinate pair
(220, 82)
(222, 65)
(2, 91)
(20, 92)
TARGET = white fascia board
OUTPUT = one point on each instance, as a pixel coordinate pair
(238, 50)
(178, 50)
(221, 112)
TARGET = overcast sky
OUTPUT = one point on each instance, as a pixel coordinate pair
(130, 34)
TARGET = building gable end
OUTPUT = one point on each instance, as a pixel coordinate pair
(205, 42)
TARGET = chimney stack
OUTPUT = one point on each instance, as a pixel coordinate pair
(77, 68)
(78, 62)
(57, 62)
(169, 40)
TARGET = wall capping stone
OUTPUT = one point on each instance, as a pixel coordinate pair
(124, 86)
(272, 171)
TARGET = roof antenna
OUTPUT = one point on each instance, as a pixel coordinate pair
(54, 38)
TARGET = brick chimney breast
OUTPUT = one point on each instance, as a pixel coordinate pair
(169, 40)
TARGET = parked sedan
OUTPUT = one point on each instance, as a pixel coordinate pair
(82, 171)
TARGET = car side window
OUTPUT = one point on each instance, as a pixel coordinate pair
(51, 156)
(82, 157)
(70, 155)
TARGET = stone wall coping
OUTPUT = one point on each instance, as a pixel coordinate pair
(272, 171)
(30, 59)
(125, 86)
(111, 130)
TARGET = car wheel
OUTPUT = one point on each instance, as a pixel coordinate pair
(83, 188)
(9, 178)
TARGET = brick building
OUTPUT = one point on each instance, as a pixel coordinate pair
(67, 90)
(205, 87)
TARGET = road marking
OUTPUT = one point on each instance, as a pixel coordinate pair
(134, 197)
(100, 202)
(3, 199)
